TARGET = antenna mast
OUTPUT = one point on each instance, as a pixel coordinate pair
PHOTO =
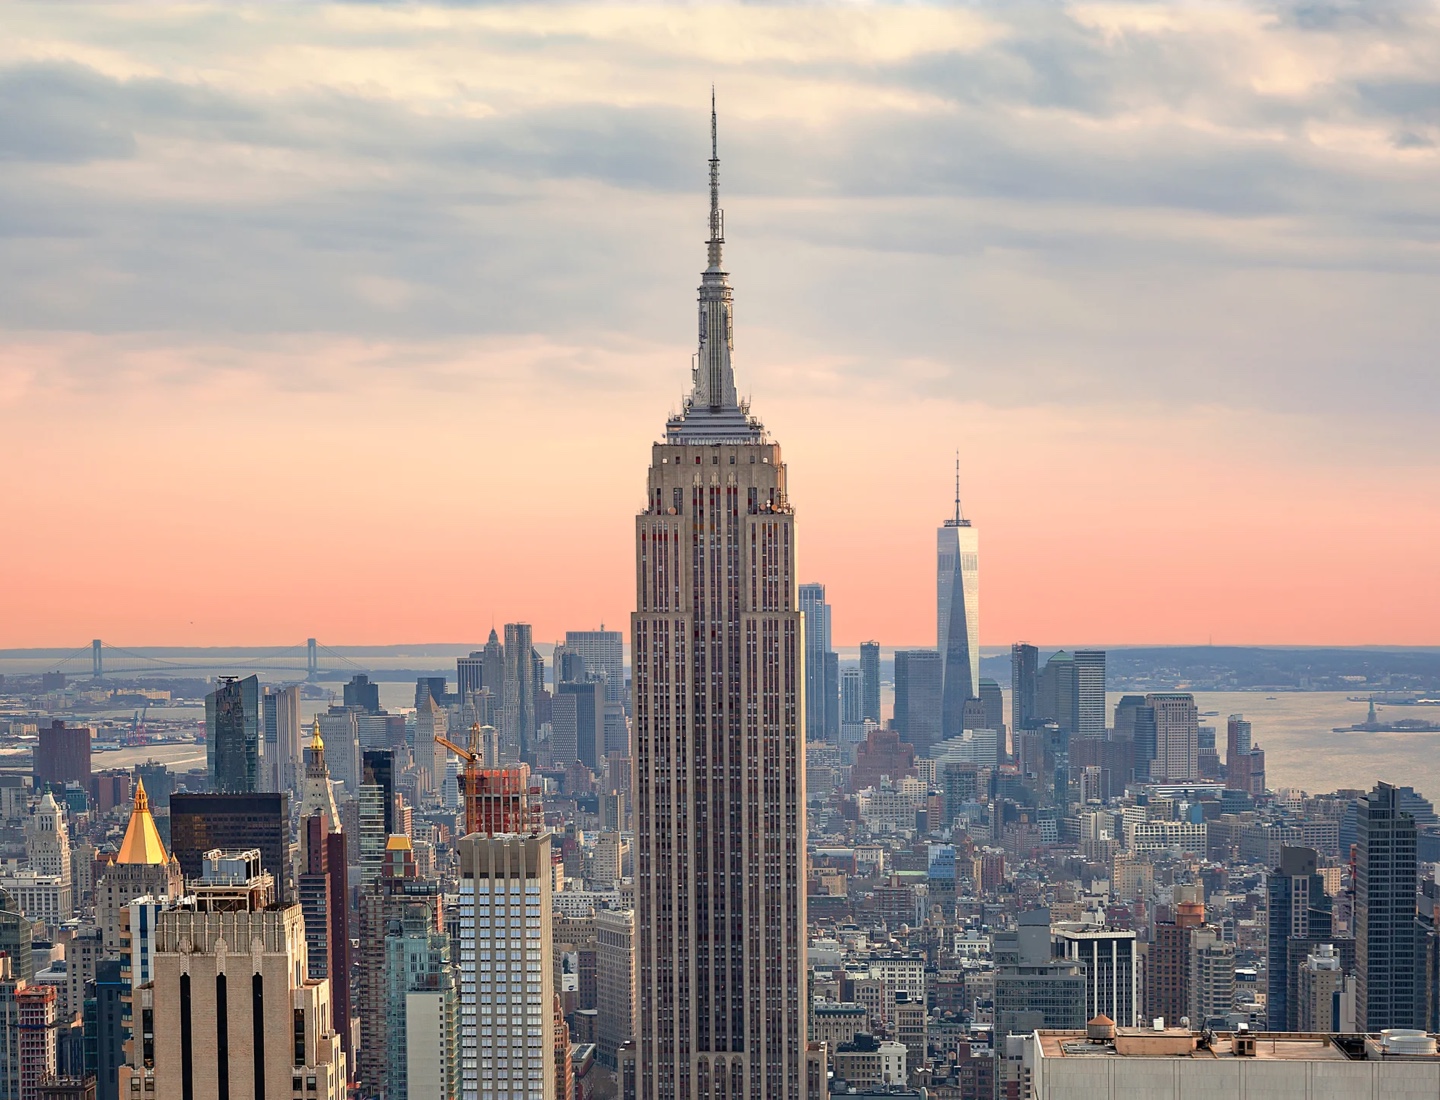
(958, 517)
(717, 218)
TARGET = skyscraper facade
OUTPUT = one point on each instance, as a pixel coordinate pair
(1297, 907)
(604, 654)
(230, 1021)
(232, 735)
(1177, 736)
(235, 822)
(284, 763)
(506, 980)
(1089, 717)
(870, 680)
(360, 692)
(1111, 969)
(518, 701)
(1024, 668)
(422, 1056)
(919, 688)
(958, 614)
(470, 674)
(820, 677)
(1244, 760)
(1135, 723)
(1386, 939)
(852, 697)
(718, 682)
(62, 756)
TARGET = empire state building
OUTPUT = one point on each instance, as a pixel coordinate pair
(717, 656)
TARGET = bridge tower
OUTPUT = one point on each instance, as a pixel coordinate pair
(312, 660)
(97, 661)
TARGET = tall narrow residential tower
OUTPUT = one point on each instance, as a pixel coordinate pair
(958, 615)
(719, 772)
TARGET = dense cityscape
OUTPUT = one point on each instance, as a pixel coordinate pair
(706, 858)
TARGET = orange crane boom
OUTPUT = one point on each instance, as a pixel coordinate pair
(497, 800)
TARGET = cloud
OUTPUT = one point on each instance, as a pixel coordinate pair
(1060, 204)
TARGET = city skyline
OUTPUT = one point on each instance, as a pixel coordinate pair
(309, 305)
(986, 316)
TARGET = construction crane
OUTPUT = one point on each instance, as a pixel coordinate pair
(497, 800)
(137, 727)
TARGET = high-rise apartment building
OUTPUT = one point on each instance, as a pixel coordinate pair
(283, 753)
(821, 684)
(1298, 907)
(506, 977)
(1177, 736)
(35, 1042)
(870, 681)
(518, 725)
(1167, 973)
(340, 727)
(1024, 669)
(1325, 993)
(1212, 977)
(718, 675)
(603, 652)
(382, 904)
(1089, 697)
(377, 811)
(233, 743)
(919, 689)
(62, 756)
(1386, 938)
(852, 697)
(957, 614)
(1244, 760)
(422, 1057)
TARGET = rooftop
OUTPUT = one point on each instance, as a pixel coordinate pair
(1134, 1042)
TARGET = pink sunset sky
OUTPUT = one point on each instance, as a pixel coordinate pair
(358, 323)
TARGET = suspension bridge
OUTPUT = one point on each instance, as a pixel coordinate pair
(110, 661)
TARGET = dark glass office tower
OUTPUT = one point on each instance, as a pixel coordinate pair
(870, 681)
(1386, 940)
(234, 822)
(232, 735)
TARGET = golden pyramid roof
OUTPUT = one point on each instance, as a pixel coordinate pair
(316, 741)
(142, 843)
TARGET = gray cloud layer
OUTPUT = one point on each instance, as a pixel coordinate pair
(1068, 213)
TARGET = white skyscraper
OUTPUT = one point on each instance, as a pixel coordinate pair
(958, 615)
(718, 675)
(507, 1022)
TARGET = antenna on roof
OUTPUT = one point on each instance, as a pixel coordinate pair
(958, 516)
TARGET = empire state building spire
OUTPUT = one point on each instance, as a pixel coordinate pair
(713, 412)
(718, 675)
